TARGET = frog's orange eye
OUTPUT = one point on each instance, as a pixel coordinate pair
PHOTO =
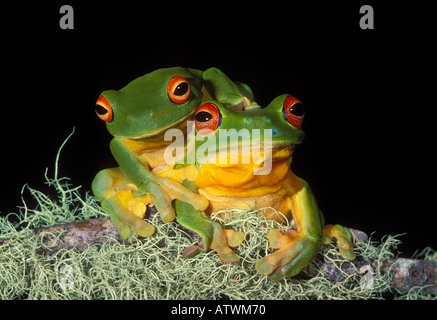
(207, 118)
(293, 111)
(178, 90)
(104, 109)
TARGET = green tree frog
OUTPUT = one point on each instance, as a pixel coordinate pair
(138, 116)
(239, 184)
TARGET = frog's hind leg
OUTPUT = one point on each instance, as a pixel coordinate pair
(114, 191)
(296, 248)
(213, 235)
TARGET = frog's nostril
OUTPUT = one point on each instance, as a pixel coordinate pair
(104, 109)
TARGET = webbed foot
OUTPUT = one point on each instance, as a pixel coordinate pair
(343, 236)
(127, 214)
(213, 235)
(164, 190)
(222, 241)
(295, 251)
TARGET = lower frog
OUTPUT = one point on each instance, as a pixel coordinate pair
(266, 179)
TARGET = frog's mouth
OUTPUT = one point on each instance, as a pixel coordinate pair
(273, 145)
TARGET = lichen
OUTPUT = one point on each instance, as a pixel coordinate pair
(153, 268)
(147, 269)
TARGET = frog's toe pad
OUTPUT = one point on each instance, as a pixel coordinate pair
(167, 213)
(346, 249)
(234, 238)
(127, 232)
(264, 268)
(229, 257)
(343, 236)
(124, 231)
(200, 202)
(145, 229)
(347, 254)
(277, 239)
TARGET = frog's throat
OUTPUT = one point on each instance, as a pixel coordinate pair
(240, 181)
(262, 153)
(179, 124)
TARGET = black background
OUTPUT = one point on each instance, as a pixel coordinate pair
(369, 149)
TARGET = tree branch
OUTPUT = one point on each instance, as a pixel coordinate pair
(79, 234)
(406, 273)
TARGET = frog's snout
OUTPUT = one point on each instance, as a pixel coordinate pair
(104, 109)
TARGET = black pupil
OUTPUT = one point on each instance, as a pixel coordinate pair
(181, 89)
(101, 110)
(297, 109)
(203, 116)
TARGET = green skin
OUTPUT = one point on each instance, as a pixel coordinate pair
(142, 112)
(270, 117)
(291, 258)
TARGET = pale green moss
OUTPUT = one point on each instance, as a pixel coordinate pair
(148, 269)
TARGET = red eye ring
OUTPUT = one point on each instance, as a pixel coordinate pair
(293, 111)
(207, 118)
(178, 90)
(104, 109)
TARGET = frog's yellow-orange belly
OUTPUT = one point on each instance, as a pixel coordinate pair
(236, 186)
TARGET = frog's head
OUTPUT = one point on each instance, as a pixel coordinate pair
(286, 114)
(152, 103)
(281, 119)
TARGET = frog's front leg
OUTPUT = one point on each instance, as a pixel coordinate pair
(296, 248)
(116, 194)
(162, 189)
(213, 235)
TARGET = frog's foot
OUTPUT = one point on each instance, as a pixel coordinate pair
(234, 238)
(164, 190)
(127, 214)
(295, 251)
(212, 234)
(343, 236)
(222, 241)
